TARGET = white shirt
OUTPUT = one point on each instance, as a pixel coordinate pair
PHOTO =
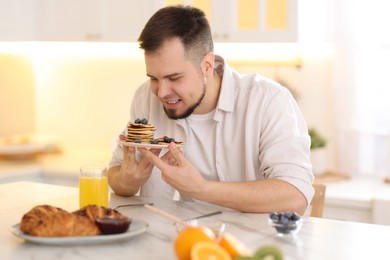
(260, 133)
(201, 131)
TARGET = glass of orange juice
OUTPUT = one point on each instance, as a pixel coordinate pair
(93, 185)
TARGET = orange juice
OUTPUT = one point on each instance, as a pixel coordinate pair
(93, 190)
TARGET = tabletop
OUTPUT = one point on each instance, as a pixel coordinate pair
(318, 238)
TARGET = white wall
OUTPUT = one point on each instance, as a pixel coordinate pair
(84, 98)
(17, 104)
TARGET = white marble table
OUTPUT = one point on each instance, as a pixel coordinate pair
(318, 238)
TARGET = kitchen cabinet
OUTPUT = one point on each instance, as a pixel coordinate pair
(74, 20)
(347, 212)
(248, 20)
(91, 20)
(123, 20)
(359, 198)
(257, 21)
(16, 20)
(67, 20)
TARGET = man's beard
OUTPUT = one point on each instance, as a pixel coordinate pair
(171, 113)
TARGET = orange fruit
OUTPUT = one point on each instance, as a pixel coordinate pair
(188, 237)
(207, 250)
(234, 246)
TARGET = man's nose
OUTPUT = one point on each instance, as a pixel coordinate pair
(164, 89)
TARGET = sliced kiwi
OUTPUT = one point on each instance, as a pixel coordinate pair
(268, 253)
(245, 258)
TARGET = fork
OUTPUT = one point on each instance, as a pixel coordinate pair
(133, 204)
(204, 215)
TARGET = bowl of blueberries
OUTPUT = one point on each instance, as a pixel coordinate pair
(285, 223)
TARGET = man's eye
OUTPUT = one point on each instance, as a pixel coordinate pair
(173, 79)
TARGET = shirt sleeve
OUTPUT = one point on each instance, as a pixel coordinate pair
(285, 146)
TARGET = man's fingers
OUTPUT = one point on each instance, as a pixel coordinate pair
(151, 156)
(129, 152)
(156, 151)
(176, 153)
(146, 161)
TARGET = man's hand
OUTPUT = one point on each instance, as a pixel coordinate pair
(138, 169)
(176, 170)
(133, 173)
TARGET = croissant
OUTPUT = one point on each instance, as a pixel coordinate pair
(33, 217)
(93, 212)
(65, 224)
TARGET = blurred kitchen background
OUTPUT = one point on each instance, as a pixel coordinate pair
(69, 68)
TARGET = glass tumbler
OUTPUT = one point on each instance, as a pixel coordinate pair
(93, 185)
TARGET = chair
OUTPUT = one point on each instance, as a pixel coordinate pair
(317, 203)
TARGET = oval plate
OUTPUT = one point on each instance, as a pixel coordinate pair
(145, 145)
(136, 228)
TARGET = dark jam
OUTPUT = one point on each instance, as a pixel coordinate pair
(110, 225)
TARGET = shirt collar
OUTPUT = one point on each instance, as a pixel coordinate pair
(226, 95)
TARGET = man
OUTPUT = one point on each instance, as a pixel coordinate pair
(246, 142)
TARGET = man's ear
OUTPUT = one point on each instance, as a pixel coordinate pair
(208, 64)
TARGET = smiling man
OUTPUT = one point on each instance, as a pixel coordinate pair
(246, 142)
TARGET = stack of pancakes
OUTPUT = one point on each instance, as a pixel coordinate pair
(140, 133)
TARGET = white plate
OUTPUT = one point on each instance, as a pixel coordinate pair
(27, 144)
(136, 228)
(144, 145)
(18, 149)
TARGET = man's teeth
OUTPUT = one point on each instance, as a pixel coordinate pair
(172, 101)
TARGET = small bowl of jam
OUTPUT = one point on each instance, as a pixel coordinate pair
(111, 225)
